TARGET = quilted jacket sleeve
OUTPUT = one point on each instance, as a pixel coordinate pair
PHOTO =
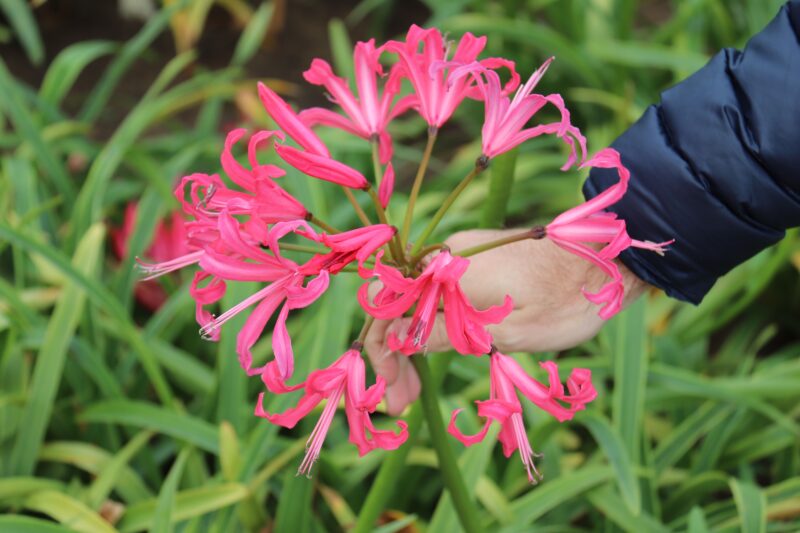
(716, 165)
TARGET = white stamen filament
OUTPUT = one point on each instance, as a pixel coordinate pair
(526, 453)
(218, 322)
(155, 270)
(317, 437)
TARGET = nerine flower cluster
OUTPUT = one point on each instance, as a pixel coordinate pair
(234, 230)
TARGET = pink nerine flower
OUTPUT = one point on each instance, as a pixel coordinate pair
(169, 244)
(346, 247)
(370, 113)
(249, 262)
(588, 223)
(344, 378)
(466, 326)
(503, 405)
(436, 94)
(315, 160)
(505, 120)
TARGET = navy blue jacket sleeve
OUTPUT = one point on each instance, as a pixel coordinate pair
(716, 165)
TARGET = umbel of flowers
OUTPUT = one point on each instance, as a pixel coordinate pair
(234, 230)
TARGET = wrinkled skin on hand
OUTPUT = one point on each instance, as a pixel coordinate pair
(550, 313)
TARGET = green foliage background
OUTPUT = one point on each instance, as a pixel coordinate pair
(115, 419)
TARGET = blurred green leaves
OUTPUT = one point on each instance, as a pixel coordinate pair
(114, 419)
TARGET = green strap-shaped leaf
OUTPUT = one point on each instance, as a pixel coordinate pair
(188, 504)
(67, 66)
(148, 416)
(555, 492)
(19, 15)
(613, 448)
(68, 511)
(752, 505)
(27, 524)
(52, 355)
(162, 518)
(501, 180)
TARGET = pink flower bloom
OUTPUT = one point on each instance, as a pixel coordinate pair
(316, 160)
(437, 95)
(322, 167)
(346, 247)
(249, 262)
(505, 120)
(266, 200)
(503, 405)
(345, 378)
(386, 188)
(168, 245)
(366, 116)
(588, 223)
(466, 326)
(288, 121)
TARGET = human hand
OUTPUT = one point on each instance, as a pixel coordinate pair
(550, 312)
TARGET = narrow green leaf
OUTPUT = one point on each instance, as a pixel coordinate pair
(230, 458)
(683, 437)
(341, 48)
(148, 416)
(26, 524)
(67, 66)
(162, 517)
(94, 460)
(501, 180)
(131, 51)
(292, 514)
(188, 504)
(526, 509)
(52, 355)
(68, 511)
(472, 464)
(253, 34)
(608, 503)
(103, 298)
(102, 485)
(13, 104)
(752, 505)
(627, 335)
(15, 487)
(697, 521)
(18, 14)
(611, 444)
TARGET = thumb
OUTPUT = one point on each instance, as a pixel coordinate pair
(438, 340)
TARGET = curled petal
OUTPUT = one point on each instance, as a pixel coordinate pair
(288, 121)
(275, 383)
(291, 416)
(322, 167)
(387, 186)
(467, 440)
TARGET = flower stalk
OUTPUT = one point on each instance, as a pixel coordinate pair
(537, 232)
(462, 502)
(412, 199)
(480, 165)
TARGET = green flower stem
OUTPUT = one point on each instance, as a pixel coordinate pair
(323, 225)
(534, 233)
(394, 245)
(391, 469)
(412, 199)
(437, 217)
(464, 506)
(362, 216)
(419, 256)
(368, 320)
